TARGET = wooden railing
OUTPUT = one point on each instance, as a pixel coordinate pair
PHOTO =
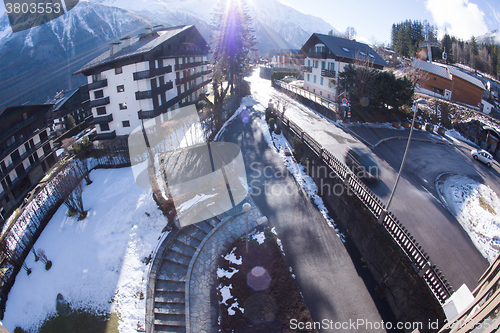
(418, 258)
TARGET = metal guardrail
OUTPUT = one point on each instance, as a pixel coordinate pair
(418, 258)
(309, 95)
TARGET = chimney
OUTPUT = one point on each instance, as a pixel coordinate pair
(125, 42)
(115, 48)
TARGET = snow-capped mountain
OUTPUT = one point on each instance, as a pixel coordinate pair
(493, 37)
(38, 62)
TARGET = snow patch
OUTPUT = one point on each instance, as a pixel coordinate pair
(477, 209)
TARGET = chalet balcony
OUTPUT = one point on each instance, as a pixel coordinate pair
(181, 67)
(192, 77)
(328, 73)
(148, 114)
(99, 102)
(164, 107)
(156, 91)
(317, 55)
(103, 119)
(105, 136)
(307, 69)
(149, 73)
(98, 84)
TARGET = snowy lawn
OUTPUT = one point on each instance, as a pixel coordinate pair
(98, 263)
(477, 208)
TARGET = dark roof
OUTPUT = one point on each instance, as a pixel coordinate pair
(61, 98)
(139, 45)
(350, 49)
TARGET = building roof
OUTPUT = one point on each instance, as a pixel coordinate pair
(345, 48)
(61, 98)
(139, 45)
(446, 71)
(432, 68)
(461, 74)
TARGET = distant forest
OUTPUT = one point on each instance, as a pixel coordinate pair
(406, 37)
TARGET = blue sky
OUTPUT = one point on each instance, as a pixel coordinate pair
(373, 19)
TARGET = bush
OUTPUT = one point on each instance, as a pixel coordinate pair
(272, 124)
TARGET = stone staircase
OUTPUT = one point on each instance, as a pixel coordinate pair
(169, 302)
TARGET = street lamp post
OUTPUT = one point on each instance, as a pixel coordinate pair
(246, 208)
(415, 109)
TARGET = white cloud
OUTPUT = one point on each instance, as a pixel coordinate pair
(462, 18)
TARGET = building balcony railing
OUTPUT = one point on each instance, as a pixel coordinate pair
(103, 119)
(105, 136)
(328, 73)
(307, 69)
(99, 102)
(181, 67)
(149, 73)
(143, 95)
(192, 77)
(98, 84)
(11, 130)
(317, 55)
(156, 91)
(25, 155)
(164, 107)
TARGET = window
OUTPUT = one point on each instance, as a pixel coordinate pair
(308, 77)
(309, 62)
(104, 127)
(96, 77)
(321, 81)
(120, 88)
(98, 94)
(321, 93)
(123, 106)
(118, 70)
(332, 66)
(372, 56)
(101, 110)
(314, 79)
(126, 123)
(316, 64)
(362, 53)
(323, 64)
(345, 49)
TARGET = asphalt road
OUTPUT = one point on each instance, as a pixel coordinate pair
(331, 283)
(416, 201)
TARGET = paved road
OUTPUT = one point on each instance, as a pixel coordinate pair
(326, 275)
(415, 202)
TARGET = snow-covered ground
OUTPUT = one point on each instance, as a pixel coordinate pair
(98, 263)
(477, 208)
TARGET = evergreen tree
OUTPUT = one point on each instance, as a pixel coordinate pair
(70, 122)
(231, 45)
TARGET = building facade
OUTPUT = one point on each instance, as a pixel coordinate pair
(327, 56)
(144, 77)
(449, 82)
(26, 152)
(74, 102)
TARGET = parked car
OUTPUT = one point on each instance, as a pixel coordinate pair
(289, 79)
(362, 164)
(483, 156)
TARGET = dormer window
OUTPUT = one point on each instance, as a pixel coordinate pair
(362, 53)
(372, 56)
(345, 49)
